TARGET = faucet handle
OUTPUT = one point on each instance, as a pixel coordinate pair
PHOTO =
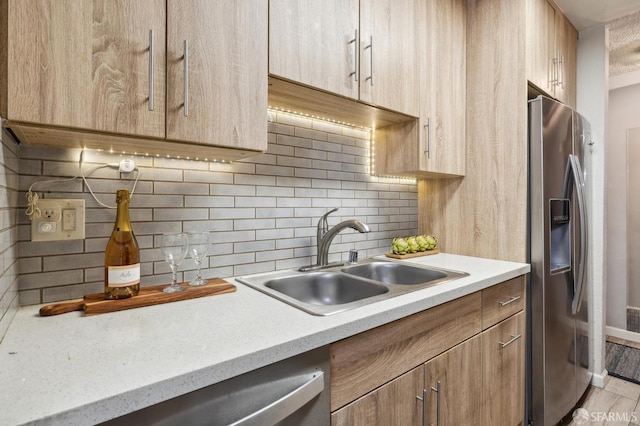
(323, 224)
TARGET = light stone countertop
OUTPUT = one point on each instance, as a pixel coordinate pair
(73, 369)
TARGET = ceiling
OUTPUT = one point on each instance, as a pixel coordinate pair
(622, 18)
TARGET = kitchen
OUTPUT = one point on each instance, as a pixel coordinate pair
(310, 167)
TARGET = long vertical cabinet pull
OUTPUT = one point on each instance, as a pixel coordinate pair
(561, 70)
(370, 46)
(424, 399)
(186, 78)
(151, 70)
(356, 57)
(437, 391)
(554, 72)
(427, 128)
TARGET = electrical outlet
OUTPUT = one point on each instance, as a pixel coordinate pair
(60, 219)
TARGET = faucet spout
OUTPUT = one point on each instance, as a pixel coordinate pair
(324, 241)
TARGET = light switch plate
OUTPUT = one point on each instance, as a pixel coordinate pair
(60, 219)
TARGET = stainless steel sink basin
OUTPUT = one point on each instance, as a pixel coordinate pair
(396, 273)
(326, 288)
(340, 288)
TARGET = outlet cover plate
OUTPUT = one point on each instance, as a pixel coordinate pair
(61, 219)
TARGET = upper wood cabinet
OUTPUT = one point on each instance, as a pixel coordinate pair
(389, 69)
(551, 51)
(436, 145)
(443, 90)
(87, 64)
(314, 43)
(364, 50)
(97, 74)
(220, 49)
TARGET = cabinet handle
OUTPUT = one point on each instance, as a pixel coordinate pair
(424, 400)
(511, 300)
(513, 339)
(151, 50)
(370, 46)
(437, 391)
(427, 128)
(356, 57)
(561, 70)
(186, 78)
(554, 72)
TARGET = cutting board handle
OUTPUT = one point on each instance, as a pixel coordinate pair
(62, 308)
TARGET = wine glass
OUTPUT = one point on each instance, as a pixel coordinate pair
(174, 248)
(198, 247)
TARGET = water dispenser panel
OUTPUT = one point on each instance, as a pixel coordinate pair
(560, 229)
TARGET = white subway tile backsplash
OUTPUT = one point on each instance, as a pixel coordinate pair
(244, 224)
(50, 279)
(255, 202)
(311, 173)
(274, 234)
(274, 213)
(231, 213)
(261, 212)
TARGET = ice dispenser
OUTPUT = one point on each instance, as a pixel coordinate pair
(560, 229)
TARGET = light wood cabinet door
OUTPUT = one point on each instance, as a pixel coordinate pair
(394, 403)
(435, 146)
(87, 64)
(217, 72)
(453, 385)
(503, 360)
(389, 63)
(551, 51)
(541, 44)
(315, 43)
(442, 136)
(567, 44)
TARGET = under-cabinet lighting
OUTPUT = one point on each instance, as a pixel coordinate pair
(146, 154)
(316, 117)
(371, 144)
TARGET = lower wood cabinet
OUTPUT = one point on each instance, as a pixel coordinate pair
(392, 404)
(478, 378)
(453, 386)
(503, 354)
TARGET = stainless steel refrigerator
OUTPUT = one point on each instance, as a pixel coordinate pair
(558, 341)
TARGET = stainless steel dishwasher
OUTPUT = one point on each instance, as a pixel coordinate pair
(294, 391)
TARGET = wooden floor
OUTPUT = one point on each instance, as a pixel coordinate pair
(617, 404)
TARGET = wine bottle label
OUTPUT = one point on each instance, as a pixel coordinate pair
(123, 276)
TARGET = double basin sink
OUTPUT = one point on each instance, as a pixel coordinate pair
(337, 289)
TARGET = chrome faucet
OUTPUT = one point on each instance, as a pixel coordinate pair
(325, 236)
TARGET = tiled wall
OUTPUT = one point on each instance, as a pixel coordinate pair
(261, 212)
(8, 232)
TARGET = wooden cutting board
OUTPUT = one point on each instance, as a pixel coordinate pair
(409, 255)
(95, 303)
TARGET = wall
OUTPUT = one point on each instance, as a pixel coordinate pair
(8, 232)
(261, 212)
(592, 99)
(623, 115)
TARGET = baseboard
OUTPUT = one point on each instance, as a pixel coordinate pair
(622, 334)
(598, 380)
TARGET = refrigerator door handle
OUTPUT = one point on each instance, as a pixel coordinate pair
(573, 176)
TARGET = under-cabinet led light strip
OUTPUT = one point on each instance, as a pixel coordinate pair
(371, 144)
(276, 110)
